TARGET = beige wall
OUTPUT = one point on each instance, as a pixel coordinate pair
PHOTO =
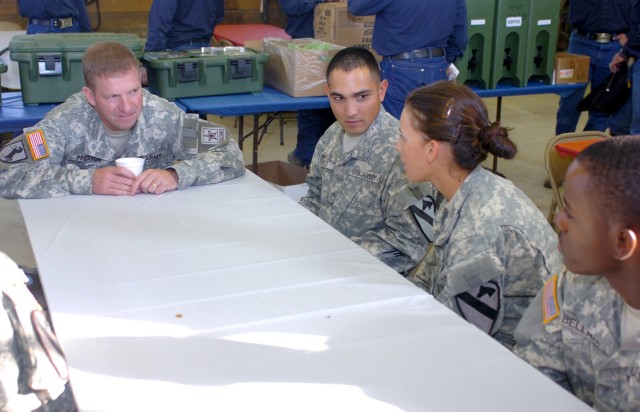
(130, 16)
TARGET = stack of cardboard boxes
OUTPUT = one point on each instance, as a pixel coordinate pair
(297, 67)
(333, 23)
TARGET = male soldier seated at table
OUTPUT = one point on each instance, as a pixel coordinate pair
(33, 370)
(73, 149)
(583, 328)
(356, 178)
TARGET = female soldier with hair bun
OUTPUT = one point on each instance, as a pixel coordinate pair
(492, 248)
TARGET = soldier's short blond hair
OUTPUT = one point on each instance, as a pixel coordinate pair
(106, 59)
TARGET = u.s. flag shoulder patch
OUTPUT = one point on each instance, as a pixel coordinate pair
(550, 308)
(37, 144)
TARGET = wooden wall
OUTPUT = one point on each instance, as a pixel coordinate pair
(131, 16)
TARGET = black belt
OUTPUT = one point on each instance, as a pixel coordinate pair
(57, 23)
(426, 53)
(199, 41)
(597, 37)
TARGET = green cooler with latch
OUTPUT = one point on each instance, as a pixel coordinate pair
(205, 72)
(50, 64)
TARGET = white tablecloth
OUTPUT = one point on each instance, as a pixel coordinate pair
(231, 297)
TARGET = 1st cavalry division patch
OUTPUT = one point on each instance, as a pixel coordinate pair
(13, 152)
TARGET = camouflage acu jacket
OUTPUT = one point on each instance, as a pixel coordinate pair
(58, 155)
(492, 251)
(571, 333)
(359, 193)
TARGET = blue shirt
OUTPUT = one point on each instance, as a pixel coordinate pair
(299, 17)
(632, 48)
(175, 22)
(404, 25)
(600, 16)
(56, 9)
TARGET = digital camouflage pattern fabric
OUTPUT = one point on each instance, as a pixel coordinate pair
(580, 347)
(58, 155)
(492, 251)
(358, 193)
(33, 371)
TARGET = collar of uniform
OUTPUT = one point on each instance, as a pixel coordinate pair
(369, 140)
(447, 215)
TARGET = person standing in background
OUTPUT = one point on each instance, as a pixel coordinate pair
(417, 39)
(630, 50)
(182, 24)
(55, 16)
(598, 30)
(311, 123)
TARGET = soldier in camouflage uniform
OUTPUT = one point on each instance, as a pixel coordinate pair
(583, 328)
(492, 247)
(33, 371)
(74, 148)
(355, 175)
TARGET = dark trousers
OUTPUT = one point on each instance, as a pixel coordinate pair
(311, 126)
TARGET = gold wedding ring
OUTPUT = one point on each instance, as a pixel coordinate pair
(154, 185)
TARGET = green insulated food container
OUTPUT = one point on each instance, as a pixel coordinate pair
(50, 64)
(205, 72)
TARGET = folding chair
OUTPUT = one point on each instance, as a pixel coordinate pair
(558, 154)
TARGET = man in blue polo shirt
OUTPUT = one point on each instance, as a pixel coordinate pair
(55, 16)
(599, 29)
(418, 39)
(182, 24)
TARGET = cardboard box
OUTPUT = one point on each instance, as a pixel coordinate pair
(571, 68)
(286, 177)
(298, 67)
(333, 23)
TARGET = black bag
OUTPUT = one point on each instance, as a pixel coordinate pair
(609, 96)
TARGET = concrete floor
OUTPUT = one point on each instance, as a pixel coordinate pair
(532, 119)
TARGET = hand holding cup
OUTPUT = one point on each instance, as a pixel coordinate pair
(134, 164)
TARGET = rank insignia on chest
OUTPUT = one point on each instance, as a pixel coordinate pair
(37, 144)
(213, 135)
(327, 164)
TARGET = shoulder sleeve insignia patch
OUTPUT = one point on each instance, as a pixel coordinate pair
(37, 144)
(481, 305)
(550, 308)
(213, 135)
(424, 212)
(13, 152)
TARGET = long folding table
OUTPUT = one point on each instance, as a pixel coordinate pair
(271, 101)
(232, 297)
(14, 115)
